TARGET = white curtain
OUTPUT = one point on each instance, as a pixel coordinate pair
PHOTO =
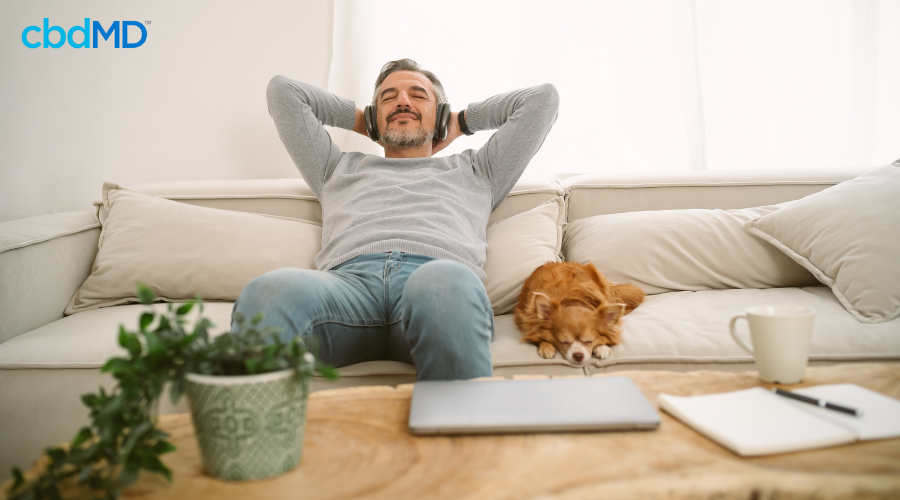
(651, 84)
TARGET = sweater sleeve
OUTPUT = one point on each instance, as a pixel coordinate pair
(300, 110)
(524, 117)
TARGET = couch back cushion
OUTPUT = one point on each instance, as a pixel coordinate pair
(612, 193)
(677, 250)
(293, 198)
(180, 251)
(848, 236)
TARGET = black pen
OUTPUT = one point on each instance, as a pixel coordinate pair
(818, 402)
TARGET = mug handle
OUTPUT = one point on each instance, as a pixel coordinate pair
(734, 335)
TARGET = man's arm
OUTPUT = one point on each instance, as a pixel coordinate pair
(523, 117)
(299, 111)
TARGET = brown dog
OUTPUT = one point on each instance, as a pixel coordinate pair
(572, 308)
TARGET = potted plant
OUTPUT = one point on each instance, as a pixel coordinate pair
(247, 392)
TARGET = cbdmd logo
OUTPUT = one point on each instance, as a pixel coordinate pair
(89, 37)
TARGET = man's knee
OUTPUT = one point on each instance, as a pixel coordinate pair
(277, 295)
(267, 288)
(446, 303)
(442, 282)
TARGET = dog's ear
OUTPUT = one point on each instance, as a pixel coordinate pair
(608, 315)
(544, 307)
(595, 275)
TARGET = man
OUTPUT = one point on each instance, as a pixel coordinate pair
(399, 276)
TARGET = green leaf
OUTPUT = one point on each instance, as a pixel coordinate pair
(133, 344)
(163, 447)
(133, 437)
(145, 294)
(257, 318)
(18, 478)
(146, 319)
(328, 372)
(154, 344)
(111, 407)
(158, 435)
(90, 400)
(53, 492)
(95, 482)
(83, 435)
(164, 324)
(176, 390)
(123, 335)
(116, 365)
(85, 474)
(127, 476)
(153, 464)
(186, 308)
(56, 454)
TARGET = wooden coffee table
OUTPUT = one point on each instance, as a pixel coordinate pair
(357, 445)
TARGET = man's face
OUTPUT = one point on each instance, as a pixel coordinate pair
(406, 110)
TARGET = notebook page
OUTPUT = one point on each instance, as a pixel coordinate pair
(755, 422)
(881, 414)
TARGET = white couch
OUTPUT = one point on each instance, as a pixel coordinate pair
(48, 360)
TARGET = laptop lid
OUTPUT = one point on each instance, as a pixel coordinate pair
(537, 405)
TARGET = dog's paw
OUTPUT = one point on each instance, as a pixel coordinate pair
(546, 350)
(602, 351)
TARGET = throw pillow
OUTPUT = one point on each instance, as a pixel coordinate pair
(677, 250)
(182, 250)
(848, 236)
(518, 245)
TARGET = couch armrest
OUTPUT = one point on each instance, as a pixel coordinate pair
(43, 261)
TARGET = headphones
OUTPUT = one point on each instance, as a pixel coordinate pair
(441, 121)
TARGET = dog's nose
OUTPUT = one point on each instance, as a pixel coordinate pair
(578, 357)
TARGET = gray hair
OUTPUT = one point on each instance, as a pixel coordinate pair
(408, 65)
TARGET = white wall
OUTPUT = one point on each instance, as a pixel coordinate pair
(188, 104)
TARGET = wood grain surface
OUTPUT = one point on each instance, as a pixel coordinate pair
(357, 445)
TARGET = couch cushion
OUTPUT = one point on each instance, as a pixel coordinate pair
(88, 339)
(43, 261)
(848, 236)
(294, 198)
(677, 328)
(281, 197)
(181, 251)
(692, 327)
(618, 192)
(676, 250)
(518, 245)
(525, 195)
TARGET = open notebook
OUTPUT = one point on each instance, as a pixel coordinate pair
(758, 422)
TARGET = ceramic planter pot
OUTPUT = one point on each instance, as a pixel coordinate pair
(251, 426)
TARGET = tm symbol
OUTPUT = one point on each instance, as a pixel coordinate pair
(146, 22)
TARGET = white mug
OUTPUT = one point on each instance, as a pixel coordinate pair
(780, 335)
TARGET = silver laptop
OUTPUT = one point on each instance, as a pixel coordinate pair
(541, 405)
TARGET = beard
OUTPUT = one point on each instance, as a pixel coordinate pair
(406, 139)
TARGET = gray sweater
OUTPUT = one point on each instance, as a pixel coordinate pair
(437, 206)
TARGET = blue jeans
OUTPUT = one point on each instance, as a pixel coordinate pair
(432, 313)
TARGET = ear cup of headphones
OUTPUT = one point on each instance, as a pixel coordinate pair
(371, 114)
(442, 121)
